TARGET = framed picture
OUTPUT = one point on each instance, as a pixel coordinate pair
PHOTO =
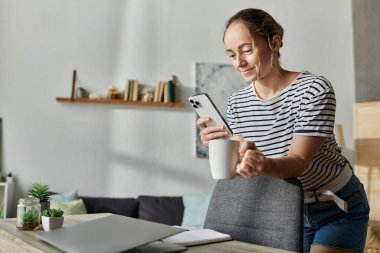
(219, 81)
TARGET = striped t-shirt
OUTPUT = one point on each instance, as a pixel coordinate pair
(306, 107)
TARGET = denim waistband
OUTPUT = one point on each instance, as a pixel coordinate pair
(328, 191)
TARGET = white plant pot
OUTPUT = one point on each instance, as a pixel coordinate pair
(50, 223)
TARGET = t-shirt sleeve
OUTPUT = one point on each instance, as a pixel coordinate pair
(231, 119)
(316, 116)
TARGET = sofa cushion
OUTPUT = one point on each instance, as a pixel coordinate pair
(69, 207)
(196, 206)
(68, 196)
(161, 209)
(122, 206)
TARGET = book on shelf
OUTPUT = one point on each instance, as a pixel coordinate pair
(166, 92)
(159, 92)
(135, 90)
(197, 236)
(170, 91)
(126, 90)
(130, 93)
(156, 89)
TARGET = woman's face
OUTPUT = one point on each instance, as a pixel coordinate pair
(251, 56)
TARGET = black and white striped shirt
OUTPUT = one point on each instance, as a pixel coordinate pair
(306, 107)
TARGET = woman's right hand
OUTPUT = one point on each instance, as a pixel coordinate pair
(209, 133)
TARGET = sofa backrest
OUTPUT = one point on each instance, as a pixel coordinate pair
(162, 209)
(122, 206)
(167, 210)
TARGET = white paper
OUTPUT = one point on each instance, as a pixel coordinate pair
(197, 236)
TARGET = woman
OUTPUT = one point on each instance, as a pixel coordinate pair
(287, 120)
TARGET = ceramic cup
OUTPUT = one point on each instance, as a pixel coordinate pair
(223, 156)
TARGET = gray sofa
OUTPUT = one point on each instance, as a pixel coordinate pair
(162, 209)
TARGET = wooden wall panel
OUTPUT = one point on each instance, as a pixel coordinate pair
(367, 154)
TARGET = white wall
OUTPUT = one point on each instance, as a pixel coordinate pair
(367, 49)
(128, 151)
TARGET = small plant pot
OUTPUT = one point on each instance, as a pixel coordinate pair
(50, 223)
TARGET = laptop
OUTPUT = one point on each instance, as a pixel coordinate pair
(110, 234)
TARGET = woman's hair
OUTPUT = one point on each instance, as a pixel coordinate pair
(259, 23)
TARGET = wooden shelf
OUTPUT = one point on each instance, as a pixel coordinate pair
(119, 102)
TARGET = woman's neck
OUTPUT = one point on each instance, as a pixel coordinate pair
(273, 83)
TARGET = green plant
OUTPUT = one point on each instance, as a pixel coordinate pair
(40, 191)
(29, 216)
(53, 212)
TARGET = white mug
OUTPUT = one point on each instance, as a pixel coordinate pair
(223, 156)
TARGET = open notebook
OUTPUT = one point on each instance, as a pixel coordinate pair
(196, 237)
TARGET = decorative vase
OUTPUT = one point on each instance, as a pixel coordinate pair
(9, 179)
(28, 213)
(45, 205)
(50, 223)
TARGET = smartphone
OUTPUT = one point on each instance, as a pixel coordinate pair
(205, 107)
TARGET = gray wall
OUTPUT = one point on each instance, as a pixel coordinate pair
(127, 151)
(367, 49)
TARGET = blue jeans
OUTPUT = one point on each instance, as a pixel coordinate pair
(326, 224)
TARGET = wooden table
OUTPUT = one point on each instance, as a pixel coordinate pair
(13, 240)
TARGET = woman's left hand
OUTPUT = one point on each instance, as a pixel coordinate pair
(253, 162)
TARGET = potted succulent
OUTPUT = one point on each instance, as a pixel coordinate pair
(52, 219)
(9, 177)
(30, 220)
(2, 178)
(41, 191)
